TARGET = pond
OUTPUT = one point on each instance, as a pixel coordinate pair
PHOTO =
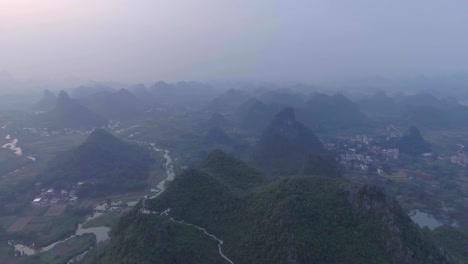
(424, 219)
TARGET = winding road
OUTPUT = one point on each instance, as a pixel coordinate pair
(162, 186)
(145, 211)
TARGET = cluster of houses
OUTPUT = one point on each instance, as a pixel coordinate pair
(353, 160)
(113, 124)
(51, 196)
(356, 161)
(358, 153)
(364, 139)
(459, 158)
(386, 154)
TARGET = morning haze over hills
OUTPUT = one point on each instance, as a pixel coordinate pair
(277, 175)
(233, 132)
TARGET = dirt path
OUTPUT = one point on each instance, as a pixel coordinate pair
(145, 211)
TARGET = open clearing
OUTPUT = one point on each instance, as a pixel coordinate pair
(56, 210)
(19, 224)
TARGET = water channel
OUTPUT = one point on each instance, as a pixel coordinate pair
(101, 233)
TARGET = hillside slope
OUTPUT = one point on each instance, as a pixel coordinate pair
(112, 164)
(47, 101)
(285, 146)
(68, 113)
(335, 112)
(293, 220)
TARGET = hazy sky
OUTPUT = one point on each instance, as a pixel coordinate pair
(294, 40)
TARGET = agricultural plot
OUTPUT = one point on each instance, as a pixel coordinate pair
(56, 210)
(19, 224)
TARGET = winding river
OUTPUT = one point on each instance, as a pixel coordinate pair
(170, 175)
(12, 146)
(102, 233)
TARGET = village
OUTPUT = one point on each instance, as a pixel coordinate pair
(45, 132)
(359, 153)
(51, 196)
(362, 152)
(459, 158)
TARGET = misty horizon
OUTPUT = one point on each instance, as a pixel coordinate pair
(309, 42)
(183, 131)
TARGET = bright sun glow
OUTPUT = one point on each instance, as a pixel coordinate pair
(14, 13)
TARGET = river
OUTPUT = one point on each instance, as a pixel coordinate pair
(102, 233)
(12, 146)
(170, 175)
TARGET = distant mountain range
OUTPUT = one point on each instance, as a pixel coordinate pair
(422, 110)
(112, 165)
(321, 112)
(142, 93)
(90, 111)
(228, 101)
(293, 220)
(285, 145)
(181, 93)
(84, 91)
(254, 115)
(121, 104)
(47, 102)
(283, 98)
(325, 112)
(68, 113)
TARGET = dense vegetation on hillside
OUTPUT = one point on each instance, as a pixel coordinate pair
(454, 241)
(110, 163)
(323, 165)
(217, 135)
(326, 112)
(285, 145)
(255, 115)
(292, 220)
(413, 143)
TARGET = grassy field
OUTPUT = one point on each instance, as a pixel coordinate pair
(108, 219)
(57, 228)
(6, 251)
(446, 140)
(62, 252)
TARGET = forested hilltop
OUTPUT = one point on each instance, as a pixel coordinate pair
(310, 219)
(246, 132)
(103, 164)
